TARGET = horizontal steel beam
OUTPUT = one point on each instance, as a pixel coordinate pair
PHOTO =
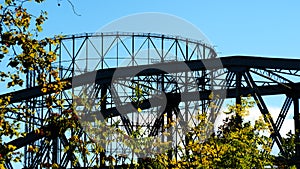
(26, 140)
(50, 131)
(175, 98)
(104, 76)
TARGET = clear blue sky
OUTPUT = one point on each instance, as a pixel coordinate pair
(265, 28)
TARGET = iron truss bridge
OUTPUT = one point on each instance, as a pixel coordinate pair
(142, 82)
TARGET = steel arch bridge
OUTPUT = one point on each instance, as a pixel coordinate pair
(89, 62)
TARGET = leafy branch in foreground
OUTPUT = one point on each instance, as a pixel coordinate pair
(23, 51)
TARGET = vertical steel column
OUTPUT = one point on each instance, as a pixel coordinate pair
(238, 96)
(132, 49)
(186, 106)
(55, 150)
(162, 49)
(26, 125)
(102, 52)
(117, 50)
(166, 109)
(297, 131)
(103, 109)
(148, 48)
(86, 53)
(238, 87)
(169, 125)
(73, 56)
(55, 143)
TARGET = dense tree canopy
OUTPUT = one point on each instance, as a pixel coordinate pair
(232, 145)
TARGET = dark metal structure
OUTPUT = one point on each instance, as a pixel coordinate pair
(141, 83)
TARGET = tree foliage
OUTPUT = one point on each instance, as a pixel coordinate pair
(23, 51)
(232, 145)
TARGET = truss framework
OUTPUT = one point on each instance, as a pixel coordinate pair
(186, 92)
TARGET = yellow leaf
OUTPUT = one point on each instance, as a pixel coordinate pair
(39, 28)
(44, 90)
(11, 147)
(54, 166)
